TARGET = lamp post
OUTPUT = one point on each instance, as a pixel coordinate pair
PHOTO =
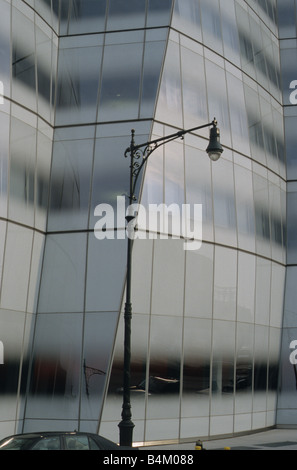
(139, 154)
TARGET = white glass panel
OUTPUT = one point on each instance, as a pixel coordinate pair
(223, 368)
(262, 293)
(246, 287)
(194, 89)
(170, 103)
(16, 268)
(168, 277)
(225, 281)
(63, 276)
(199, 282)
(105, 273)
(244, 208)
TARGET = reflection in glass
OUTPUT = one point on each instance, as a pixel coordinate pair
(223, 367)
(23, 60)
(82, 16)
(152, 62)
(119, 98)
(158, 12)
(196, 368)
(22, 171)
(164, 369)
(62, 284)
(126, 15)
(56, 367)
(99, 332)
(244, 367)
(187, 18)
(194, 97)
(70, 184)
(170, 101)
(77, 87)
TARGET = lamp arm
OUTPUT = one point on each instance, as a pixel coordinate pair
(146, 149)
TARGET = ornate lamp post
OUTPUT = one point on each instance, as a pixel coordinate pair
(137, 152)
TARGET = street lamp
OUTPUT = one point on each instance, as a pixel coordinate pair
(138, 157)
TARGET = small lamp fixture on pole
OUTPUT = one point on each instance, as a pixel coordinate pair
(139, 154)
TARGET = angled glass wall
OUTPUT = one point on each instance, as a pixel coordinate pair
(207, 323)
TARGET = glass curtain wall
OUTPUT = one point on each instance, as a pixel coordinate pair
(206, 326)
(206, 323)
(287, 412)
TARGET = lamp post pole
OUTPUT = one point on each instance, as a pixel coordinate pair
(142, 152)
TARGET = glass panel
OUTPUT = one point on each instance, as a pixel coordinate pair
(196, 368)
(152, 62)
(225, 281)
(22, 172)
(223, 368)
(23, 60)
(291, 156)
(124, 15)
(186, 18)
(5, 23)
(230, 33)
(244, 368)
(45, 73)
(217, 99)
(224, 202)
(158, 13)
(105, 274)
(211, 25)
(260, 368)
(238, 115)
(110, 174)
(164, 372)
(43, 165)
(63, 277)
(244, 208)
(198, 184)
(174, 174)
(4, 153)
(78, 80)
(199, 282)
(286, 18)
(246, 287)
(16, 267)
(120, 86)
(70, 184)
(262, 215)
(56, 367)
(194, 86)
(262, 294)
(168, 273)
(99, 334)
(170, 102)
(12, 334)
(84, 16)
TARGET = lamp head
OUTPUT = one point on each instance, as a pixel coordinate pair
(214, 148)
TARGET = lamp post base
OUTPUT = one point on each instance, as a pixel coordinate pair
(126, 433)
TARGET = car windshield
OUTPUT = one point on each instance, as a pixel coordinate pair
(14, 443)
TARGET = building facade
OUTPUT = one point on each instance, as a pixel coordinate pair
(207, 327)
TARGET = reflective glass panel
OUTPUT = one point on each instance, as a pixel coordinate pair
(70, 184)
(78, 80)
(126, 15)
(120, 88)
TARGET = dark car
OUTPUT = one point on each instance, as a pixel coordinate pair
(58, 441)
